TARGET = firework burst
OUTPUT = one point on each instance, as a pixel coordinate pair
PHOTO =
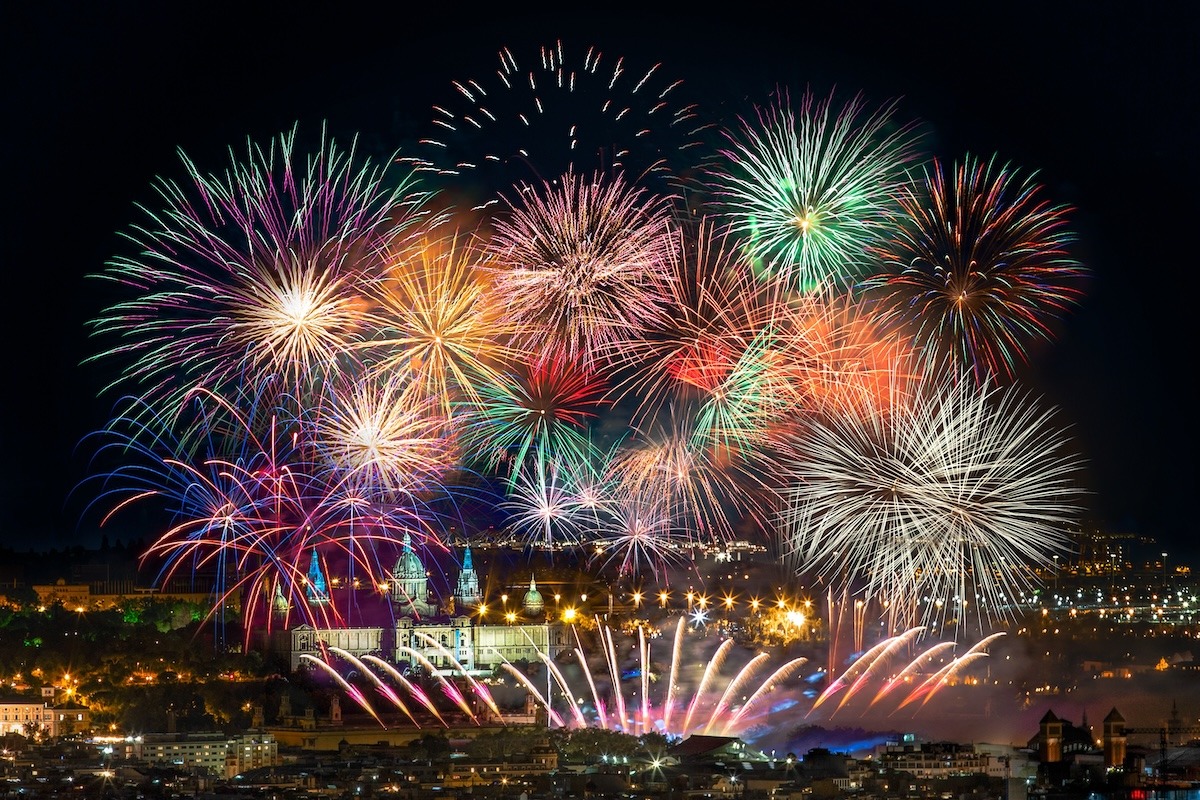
(250, 510)
(838, 355)
(696, 492)
(811, 191)
(558, 113)
(256, 271)
(539, 408)
(636, 536)
(980, 268)
(541, 505)
(941, 499)
(437, 321)
(581, 265)
(714, 314)
(384, 436)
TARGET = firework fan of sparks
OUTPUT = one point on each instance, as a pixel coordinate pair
(978, 266)
(534, 120)
(727, 696)
(937, 500)
(811, 191)
(258, 270)
(581, 264)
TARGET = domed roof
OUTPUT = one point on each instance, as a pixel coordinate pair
(534, 604)
(408, 565)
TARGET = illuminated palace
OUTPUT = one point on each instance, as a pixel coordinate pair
(426, 630)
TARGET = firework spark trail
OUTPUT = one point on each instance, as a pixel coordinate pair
(644, 675)
(881, 660)
(911, 669)
(673, 678)
(770, 683)
(938, 679)
(560, 679)
(247, 499)
(379, 435)
(744, 675)
(388, 691)
(713, 313)
(565, 688)
(852, 672)
(539, 410)
(699, 496)
(551, 714)
(542, 504)
(480, 690)
(412, 688)
(710, 671)
(931, 684)
(614, 671)
(449, 689)
(637, 535)
(349, 688)
(583, 665)
(380, 686)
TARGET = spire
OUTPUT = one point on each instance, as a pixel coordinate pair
(318, 590)
(467, 592)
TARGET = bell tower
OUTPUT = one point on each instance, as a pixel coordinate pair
(1051, 730)
(1114, 740)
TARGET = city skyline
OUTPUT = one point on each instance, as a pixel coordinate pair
(1111, 370)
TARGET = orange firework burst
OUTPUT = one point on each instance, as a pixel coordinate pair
(438, 322)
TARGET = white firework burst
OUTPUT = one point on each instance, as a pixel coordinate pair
(938, 505)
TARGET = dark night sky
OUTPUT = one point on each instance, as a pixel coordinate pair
(1103, 105)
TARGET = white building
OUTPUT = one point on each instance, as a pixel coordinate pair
(421, 636)
(28, 717)
(305, 639)
(214, 753)
(476, 647)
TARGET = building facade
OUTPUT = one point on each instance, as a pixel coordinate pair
(28, 717)
(293, 644)
(214, 753)
(448, 640)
